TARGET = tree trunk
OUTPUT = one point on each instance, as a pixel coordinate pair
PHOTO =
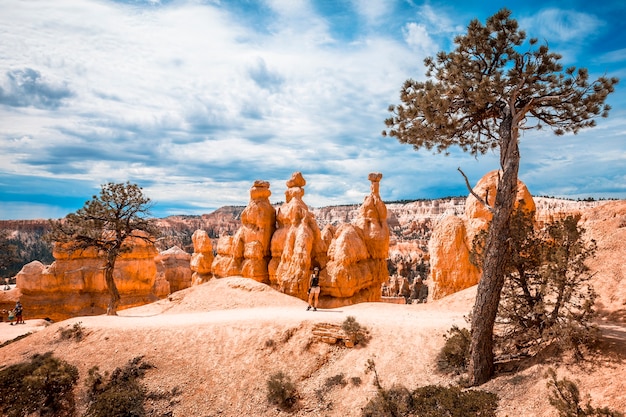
(114, 295)
(481, 366)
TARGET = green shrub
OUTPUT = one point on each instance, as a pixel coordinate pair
(565, 397)
(431, 401)
(396, 401)
(43, 386)
(454, 356)
(436, 401)
(281, 390)
(121, 394)
(547, 297)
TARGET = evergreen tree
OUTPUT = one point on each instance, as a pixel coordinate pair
(103, 224)
(478, 97)
(547, 297)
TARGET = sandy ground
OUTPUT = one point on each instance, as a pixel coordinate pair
(217, 344)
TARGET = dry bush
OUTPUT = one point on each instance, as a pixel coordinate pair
(281, 391)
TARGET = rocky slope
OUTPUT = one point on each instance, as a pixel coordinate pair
(214, 347)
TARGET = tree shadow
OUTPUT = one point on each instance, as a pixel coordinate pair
(609, 351)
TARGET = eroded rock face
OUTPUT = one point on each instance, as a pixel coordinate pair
(296, 245)
(75, 285)
(173, 266)
(202, 259)
(451, 269)
(352, 257)
(247, 253)
(357, 254)
(451, 241)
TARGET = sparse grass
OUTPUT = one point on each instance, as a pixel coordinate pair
(565, 397)
(20, 337)
(329, 384)
(337, 380)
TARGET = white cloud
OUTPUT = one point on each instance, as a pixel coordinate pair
(561, 25)
(373, 10)
(417, 37)
(195, 93)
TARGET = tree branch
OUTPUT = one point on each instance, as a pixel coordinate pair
(469, 187)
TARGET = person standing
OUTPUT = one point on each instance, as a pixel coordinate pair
(18, 313)
(314, 289)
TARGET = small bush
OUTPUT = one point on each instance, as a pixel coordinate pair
(333, 381)
(454, 356)
(429, 401)
(356, 381)
(353, 329)
(396, 401)
(43, 386)
(565, 397)
(281, 390)
(75, 332)
(119, 395)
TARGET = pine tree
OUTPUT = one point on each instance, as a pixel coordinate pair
(478, 97)
(104, 223)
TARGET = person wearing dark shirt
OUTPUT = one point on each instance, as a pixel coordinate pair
(314, 289)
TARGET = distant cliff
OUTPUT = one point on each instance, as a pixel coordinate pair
(409, 222)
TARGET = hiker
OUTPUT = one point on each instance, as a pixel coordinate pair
(11, 317)
(18, 313)
(314, 289)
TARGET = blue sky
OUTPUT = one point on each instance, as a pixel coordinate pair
(195, 100)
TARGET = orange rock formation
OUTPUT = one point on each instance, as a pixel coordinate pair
(452, 237)
(247, 252)
(202, 258)
(352, 257)
(75, 285)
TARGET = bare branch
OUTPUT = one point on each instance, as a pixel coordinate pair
(469, 187)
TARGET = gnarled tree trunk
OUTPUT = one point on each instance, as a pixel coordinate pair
(114, 295)
(481, 367)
